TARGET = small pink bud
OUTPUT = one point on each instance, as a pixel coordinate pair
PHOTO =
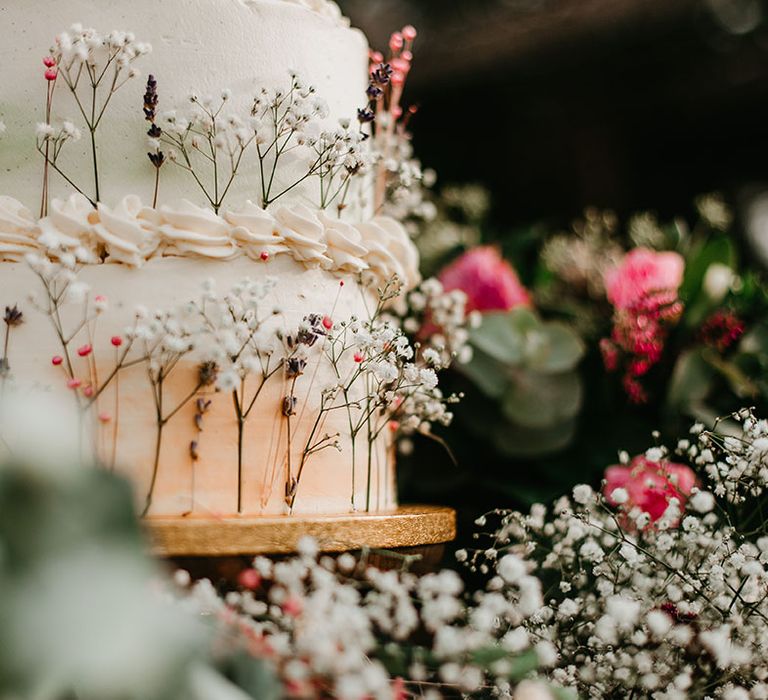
(398, 77)
(264, 255)
(393, 425)
(49, 61)
(400, 64)
(100, 299)
(293, 606)
(73, 383)
(50, 74)
(116, 340)
(56, 360)
(406, 56)
(85, 350)
(104, 417)
(88, 391)
(358, 357)
(341, 283)
(396, 41)
(397, 111)
(327, 322)
(377, 57)
(249, 578)
(409, 32)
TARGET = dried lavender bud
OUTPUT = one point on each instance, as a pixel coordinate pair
(13, 316)
(365, 116)
(294, 367)
(374, 92)
(193, 452)
(150, 99)
(157, 159)
(289, 406)
(207, 373)
(155, 132)
(381, 75)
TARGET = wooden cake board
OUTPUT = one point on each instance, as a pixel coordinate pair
(406, 527)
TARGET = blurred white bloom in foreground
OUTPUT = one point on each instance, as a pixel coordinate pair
(43, 431)
(90, 620)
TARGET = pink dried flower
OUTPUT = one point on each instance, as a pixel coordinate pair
(104, 417)
(396, 41)
(264, 255)
(51, 74)
(409, 32)
(489, 281)
(641, 274)
(116, 340)
(376, 57)
(358, 357)
(73, 383)
(249, 579)
(49, 61)
(327, 323)
(56, 360)
(293, 606)
(85, 350)
(649, 485)
(643, 290)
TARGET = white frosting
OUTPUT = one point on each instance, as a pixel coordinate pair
(191, 230)
(126, 231)
(325, 8)
(304, 234)
(17, 227)
(255, 231)
(390, 250)
(345, 248)
(203, 46)
(130, 233)
(68, 223)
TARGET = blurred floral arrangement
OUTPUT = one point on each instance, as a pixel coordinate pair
(653, 321)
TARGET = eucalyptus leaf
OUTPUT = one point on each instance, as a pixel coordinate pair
(561, 352)
(535, 400)
(499, 338)
(486, 373)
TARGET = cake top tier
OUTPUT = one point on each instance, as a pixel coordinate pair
(203, 47)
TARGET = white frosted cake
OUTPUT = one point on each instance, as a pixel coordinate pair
(213, 313)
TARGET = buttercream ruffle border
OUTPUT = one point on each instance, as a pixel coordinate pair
(130, 234)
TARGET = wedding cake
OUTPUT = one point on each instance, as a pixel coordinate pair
(193, 251)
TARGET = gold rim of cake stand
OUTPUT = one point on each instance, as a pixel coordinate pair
(407, 526)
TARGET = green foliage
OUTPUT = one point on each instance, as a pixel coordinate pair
(527, 368)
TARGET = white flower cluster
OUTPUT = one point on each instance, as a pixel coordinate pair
(407, 182)
(358, 632)
(278, 122)
(429, 307)
(233, 334)
(671, 608)
(85, 47)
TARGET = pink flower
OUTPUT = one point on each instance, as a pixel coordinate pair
(489, 281)
(649, 485)
(641, 274)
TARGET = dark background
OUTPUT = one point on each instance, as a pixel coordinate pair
(554, 105)
(557, 104)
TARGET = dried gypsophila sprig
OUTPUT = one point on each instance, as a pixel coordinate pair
(339, 628)
(670, 608)
(93, 67)
(211, 144)
(390, 386)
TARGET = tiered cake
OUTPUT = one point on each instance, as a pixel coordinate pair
(207, 308)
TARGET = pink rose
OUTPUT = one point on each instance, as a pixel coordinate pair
(649, 485)
(489, 281)
(643, 273)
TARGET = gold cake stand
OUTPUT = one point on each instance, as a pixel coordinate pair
(406, 527)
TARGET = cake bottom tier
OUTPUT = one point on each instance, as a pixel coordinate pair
(189, 454)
